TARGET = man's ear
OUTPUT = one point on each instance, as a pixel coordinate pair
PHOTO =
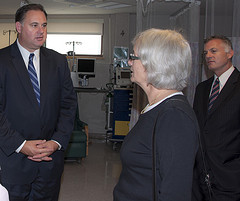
(230, 54)
(18, 27)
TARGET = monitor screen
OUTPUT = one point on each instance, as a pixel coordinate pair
(86, 66)
(126, 75)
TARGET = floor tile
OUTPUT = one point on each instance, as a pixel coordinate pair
(94, 178)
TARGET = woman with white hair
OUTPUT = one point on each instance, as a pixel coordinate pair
(158, 153)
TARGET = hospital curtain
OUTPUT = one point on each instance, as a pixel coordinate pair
(186, 21)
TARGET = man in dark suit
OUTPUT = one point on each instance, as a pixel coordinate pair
(219, 120)
(37, 111)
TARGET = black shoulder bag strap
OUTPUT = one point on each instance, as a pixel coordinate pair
(207, 177)
(154, 168)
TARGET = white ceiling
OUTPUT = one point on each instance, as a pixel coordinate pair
(9, 7)
(166, 7)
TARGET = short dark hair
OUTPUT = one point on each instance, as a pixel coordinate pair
(21, 12)
(225, 40)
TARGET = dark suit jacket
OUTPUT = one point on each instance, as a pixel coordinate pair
(220, 133)
(22, 119)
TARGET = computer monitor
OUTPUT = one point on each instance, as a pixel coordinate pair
(86, 67)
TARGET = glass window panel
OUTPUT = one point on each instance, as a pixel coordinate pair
(82, 44)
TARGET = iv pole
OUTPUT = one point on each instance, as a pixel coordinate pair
(9, 34)
(73, 43)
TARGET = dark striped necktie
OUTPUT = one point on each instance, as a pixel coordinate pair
(33, 77)
(214, 94)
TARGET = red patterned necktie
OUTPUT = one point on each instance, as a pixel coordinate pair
(214, 94)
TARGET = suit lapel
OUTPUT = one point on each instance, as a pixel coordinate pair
(45, 64)
(206, 93)
(23, 75)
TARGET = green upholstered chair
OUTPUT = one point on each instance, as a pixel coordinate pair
(77, 147)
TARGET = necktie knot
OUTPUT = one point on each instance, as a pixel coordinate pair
(31, 56)
(30, 61)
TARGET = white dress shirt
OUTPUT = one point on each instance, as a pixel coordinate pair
(36, 59)
(223, 78)
(3, 193)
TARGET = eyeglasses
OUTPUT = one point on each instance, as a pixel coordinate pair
(133, 57)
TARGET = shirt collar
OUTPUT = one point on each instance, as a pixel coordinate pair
(149, 107)
(224, 77)
(25, 53)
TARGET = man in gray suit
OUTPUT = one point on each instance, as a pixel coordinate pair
(217, 107)
(37, 111)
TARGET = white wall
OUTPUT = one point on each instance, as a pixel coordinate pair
(91, 105)
(7, 25)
